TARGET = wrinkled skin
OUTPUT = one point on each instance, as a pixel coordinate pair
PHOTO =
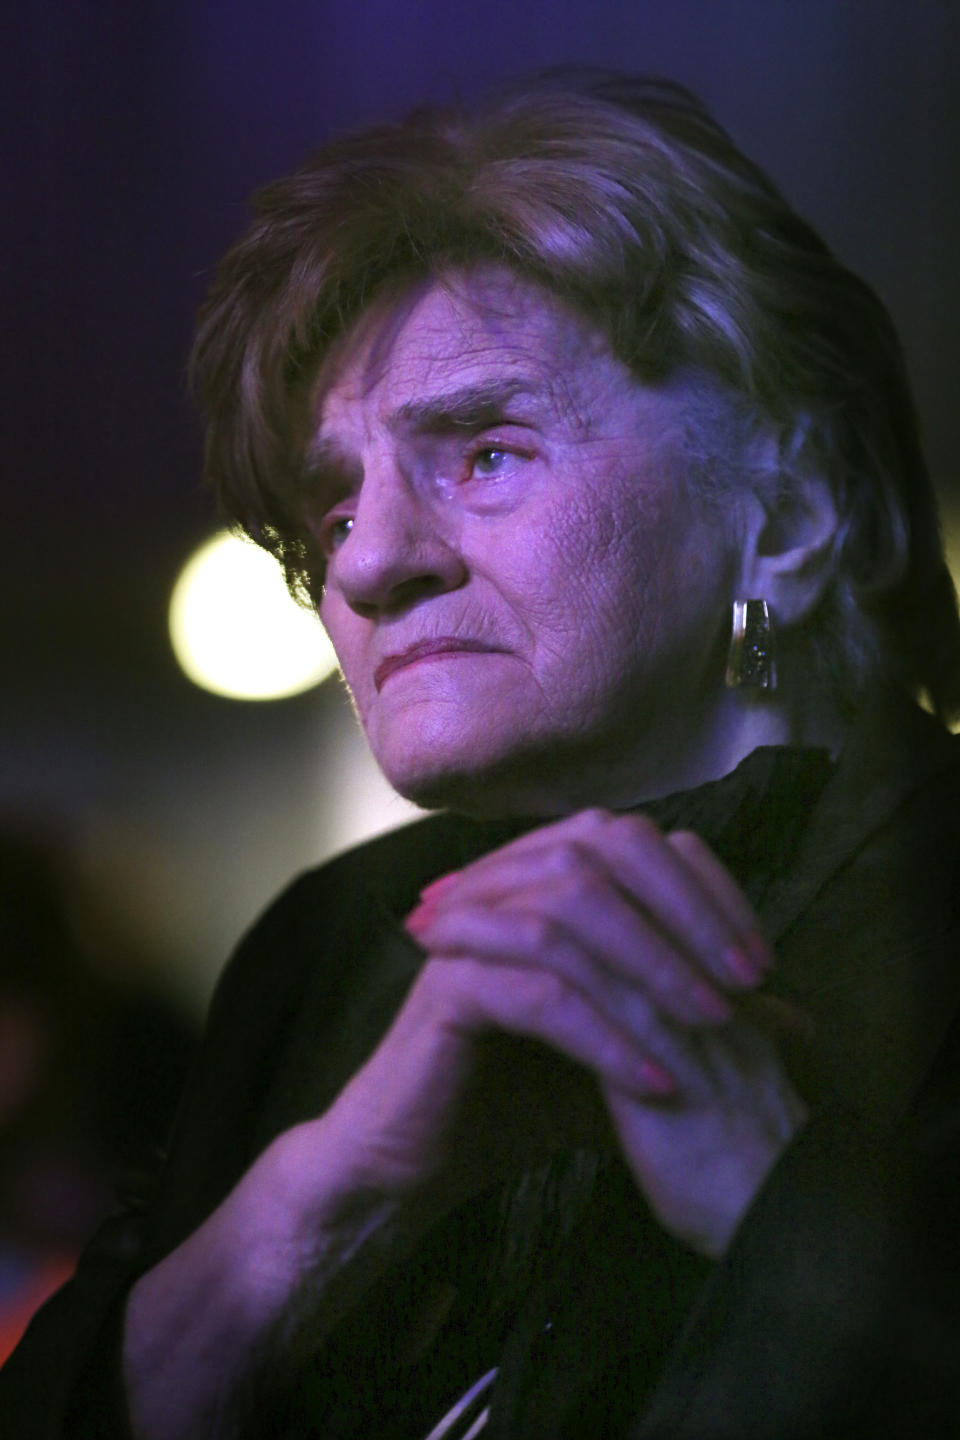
(487, 474)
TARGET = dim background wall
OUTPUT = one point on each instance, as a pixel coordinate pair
(133, 134)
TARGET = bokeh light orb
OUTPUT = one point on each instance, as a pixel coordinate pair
(235, 630)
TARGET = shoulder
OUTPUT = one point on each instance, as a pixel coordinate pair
(895, 793)
(869, 917)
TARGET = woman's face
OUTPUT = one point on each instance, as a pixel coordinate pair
(530, 610)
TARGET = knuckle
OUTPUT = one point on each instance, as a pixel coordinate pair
(579, 869)
(542, 932)
(586, 891)
(687, 842)
(596, 818)
(569, 858)
(643, 827)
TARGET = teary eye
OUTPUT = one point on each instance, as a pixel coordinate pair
(336, 529)
(489, 460)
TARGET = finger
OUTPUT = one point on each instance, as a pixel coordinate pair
(695, 901)
(473, 997)
(676, 1047)
(648, 990)
(726, 893)
(588, 933)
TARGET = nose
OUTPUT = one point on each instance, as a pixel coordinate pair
(396, 552)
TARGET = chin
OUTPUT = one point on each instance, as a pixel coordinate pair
(434, 788)
(492, 788)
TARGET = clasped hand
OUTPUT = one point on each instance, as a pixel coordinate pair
(626, 951)
(589, 984)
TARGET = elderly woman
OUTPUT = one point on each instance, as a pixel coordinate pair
(619, 1098)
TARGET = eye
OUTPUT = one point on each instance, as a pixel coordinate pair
(335, 529)
(489, 461)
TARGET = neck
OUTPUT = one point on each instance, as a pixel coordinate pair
(628, 770)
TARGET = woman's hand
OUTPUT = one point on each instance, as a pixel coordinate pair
(633, 954)
(587, 984)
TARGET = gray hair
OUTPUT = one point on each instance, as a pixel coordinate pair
(624, 197)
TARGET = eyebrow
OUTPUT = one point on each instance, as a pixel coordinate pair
(469, 408)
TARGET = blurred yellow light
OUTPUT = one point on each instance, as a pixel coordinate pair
(236, 631)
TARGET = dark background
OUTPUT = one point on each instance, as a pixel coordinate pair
(133, 134)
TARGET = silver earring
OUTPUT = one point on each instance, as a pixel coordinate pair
(752, 662)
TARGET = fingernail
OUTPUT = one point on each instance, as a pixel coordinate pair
(437, 887)
(741, 965)
(419, 918)
(655, 1078)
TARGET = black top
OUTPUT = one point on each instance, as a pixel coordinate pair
(835, 1310)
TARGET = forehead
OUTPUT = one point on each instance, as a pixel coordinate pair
(476, 329)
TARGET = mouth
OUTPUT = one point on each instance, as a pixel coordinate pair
(426, 650)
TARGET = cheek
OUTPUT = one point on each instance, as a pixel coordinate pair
(346, 634)
(598, 564)
(639, 574)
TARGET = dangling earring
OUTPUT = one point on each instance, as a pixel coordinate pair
(752, 663)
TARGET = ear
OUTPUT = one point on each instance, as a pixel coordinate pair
(787, 550)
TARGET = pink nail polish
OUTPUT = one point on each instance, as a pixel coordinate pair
(741, 966)
(438, 886)
(419, 918)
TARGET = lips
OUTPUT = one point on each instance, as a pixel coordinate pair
(423, 649)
